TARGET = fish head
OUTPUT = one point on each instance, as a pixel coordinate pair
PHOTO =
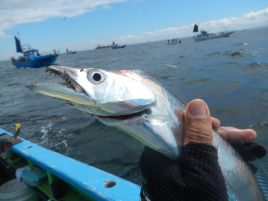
(98, 92)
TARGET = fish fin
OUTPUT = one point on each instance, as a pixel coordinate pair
(252, 167)
(250, 152)
(261, 174)
(263, 184)
(231, 196)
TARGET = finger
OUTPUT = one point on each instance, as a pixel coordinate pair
(198, 123)
(236, 135)
(216, 123)
(180, 114)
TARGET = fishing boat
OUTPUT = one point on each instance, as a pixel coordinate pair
(30, 172)
(70, 51)
(113, 46)
(31, 57)
(103, 46)
(173, 41)
(204, 35)
(116, 46)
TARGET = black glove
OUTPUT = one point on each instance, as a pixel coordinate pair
(250, 151)
(195, 176)
(164, 178)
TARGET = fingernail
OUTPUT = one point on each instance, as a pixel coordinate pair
(251, 138)
(198, 108)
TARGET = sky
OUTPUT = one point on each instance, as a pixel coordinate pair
(83, 24)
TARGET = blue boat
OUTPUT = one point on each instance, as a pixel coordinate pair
(31, 58)
(47, 175)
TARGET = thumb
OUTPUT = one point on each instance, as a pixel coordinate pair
(198, 124)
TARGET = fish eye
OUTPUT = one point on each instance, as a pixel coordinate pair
(96, 76)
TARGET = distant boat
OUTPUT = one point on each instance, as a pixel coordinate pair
(204, 35)
(116, 46)
(113, 46)
(173, 41)
(70, 51)
(103, 46)
(31, 57)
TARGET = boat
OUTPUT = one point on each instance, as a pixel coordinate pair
(103, 46)
(116, 46)
(31, 57)
(204, 35)
(70, 51)
(113, 46)
(173, 41)
(32, 172)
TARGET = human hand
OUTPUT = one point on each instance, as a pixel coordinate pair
(161, 174)
(196, 170)
(204, 124)
(197, 129)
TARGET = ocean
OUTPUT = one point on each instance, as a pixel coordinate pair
(230, 74)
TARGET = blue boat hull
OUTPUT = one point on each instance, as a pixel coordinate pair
(40, 61)
(84, 178)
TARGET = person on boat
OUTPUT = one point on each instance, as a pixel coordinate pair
(6, 142)
(196, 175)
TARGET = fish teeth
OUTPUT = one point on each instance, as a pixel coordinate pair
(68, 81)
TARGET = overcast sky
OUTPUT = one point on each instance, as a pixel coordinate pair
(82, 24)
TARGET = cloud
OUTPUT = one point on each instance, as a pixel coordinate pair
(15, 12)
(248, 20)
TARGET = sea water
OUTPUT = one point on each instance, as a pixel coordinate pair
(230, 74)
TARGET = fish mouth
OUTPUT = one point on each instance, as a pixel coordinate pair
(69, 82)
(124, 117)
(69, 91)
(72, 92)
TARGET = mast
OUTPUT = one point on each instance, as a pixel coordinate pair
(18, 45)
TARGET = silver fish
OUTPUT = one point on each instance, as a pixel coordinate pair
(139, 106)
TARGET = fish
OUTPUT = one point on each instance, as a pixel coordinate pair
(135, 103)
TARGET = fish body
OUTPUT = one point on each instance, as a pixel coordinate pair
(142, 108)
